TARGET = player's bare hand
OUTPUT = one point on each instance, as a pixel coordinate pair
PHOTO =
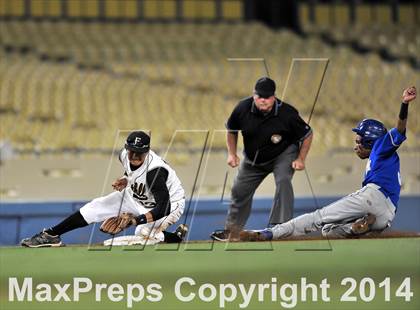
(409, 94)
(298, 164)
(233, 160)
(120, 184)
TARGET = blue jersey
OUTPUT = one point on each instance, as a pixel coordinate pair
(383, 167)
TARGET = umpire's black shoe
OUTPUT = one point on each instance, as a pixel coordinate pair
(41, 240)
(363, 225)
(220, 235)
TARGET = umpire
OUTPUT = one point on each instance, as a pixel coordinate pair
(276, 140)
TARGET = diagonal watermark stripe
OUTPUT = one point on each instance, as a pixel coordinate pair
(104, 186)
(315, 101)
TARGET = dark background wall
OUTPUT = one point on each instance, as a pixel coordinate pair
(274, 13)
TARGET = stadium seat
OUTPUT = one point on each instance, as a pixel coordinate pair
(82, 82)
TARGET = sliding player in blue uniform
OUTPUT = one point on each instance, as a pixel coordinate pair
(372, 208)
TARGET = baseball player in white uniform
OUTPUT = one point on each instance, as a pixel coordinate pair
(373, 207)
(149, 196)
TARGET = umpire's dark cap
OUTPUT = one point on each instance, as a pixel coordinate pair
(265, 87)
(138, 142)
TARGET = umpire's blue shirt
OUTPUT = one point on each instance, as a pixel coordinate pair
(383, 167)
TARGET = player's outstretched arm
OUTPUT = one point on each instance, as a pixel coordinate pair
(409, 95)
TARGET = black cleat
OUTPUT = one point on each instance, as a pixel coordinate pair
(220, 235)
(363, 225)
(181, 231)
(41, 240)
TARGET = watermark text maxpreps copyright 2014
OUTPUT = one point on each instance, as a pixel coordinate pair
(187, 289)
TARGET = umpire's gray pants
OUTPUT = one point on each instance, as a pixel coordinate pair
(250, 176)
(336, 219)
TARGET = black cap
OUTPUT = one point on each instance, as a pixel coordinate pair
(138, 142)
(265, 87)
